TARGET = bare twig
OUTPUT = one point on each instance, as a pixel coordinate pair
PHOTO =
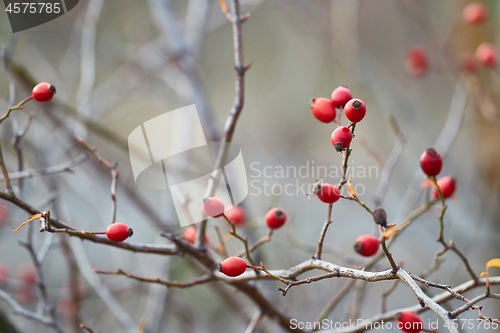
(111, 167)
(339, 295)
(63, 167)
(239, 100)
(390, 163)
(24, 312)
(177, 284)
(253, 323)
(319, 248)
(42, 286)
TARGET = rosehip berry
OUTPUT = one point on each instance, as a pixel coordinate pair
(213, 207)
(475, 13)
(328, 193)
(417, 62)
(341, 138)
(236, 215)
(275, 218)
(410, 322)
(323, 109)
(366, 245)
(380, 216)
(431, 162)
(43, 92)
(486, 54)
(118, 232)
(340, 96)
(189, 235)
(4, 274)
(447, 185)
(355, 110)
(232, 266)
(27, 273)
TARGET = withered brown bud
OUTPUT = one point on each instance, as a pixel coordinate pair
(380, 216)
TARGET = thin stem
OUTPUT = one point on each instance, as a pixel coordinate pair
(5, 173)
(319, 248)
(178, 284)
(239, 98)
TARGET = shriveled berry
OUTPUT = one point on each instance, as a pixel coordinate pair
(232, 266)
(487, 55)
(213, 207)
(417, 61)
(409, 322)
(340, 96)
(236, 215)
(475, 13)
(355, 110)
(431, 162)
(190, 233)
(275, 218)
(447, 185)
(328, 193)
(118, 232)
(43, 92)
(380, 216)
(341, 138)
(323, 109)
(366, 245)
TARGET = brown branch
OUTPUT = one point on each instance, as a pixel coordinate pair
(63, 167)
(322, 234)
(239, 100)
(112, 169)
(177, 284)
(134, 247)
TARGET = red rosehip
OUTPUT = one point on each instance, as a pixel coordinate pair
(213, 207)
(118, 232)
(417, 61)
(4, 274)
(328, 193)
(27, 273)
(486, 54)
(410, 322)
(43, 92)
(366, 245)
(431, 162)
(323, 109)
(475, 13)
(189, 235)
(275, 218)
(232, 266)
(447, 185)
(340, 96)
(341, 138)
(355, 110)
(236, 215)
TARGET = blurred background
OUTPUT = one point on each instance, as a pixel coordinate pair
(117, 64)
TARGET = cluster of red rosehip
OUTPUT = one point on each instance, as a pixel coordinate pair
(475, 13)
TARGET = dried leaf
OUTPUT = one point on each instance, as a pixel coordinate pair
(492, 263)
(393, 229)
(350, 189)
